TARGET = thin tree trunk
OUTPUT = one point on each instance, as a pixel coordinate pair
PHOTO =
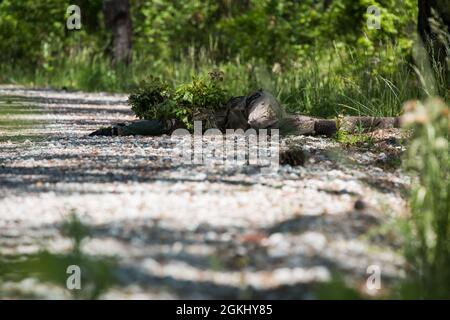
(423, 24)
(118, 21)
(433, 26)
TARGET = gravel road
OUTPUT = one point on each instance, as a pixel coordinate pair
(191, 231)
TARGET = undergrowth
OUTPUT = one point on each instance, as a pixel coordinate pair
(200, 98)
(428, 228)
(322, 84)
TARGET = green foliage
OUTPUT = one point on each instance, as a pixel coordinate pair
(267, 30)
(33, 32)
(74, 229)
(350, 139)
(346, 138)
(317, 57)
(398, 20)
(428, 243)
(155, 99)
(337, 289)
(25, 31)
(200, 99)
(12, 126)
(97, 273)
(202, 94)
(168, 27)
(321, 88)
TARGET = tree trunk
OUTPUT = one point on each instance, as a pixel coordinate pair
(426, 7)
(118, 21)
(423, 24)
(434, 26)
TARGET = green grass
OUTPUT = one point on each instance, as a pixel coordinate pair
(97, 273)
(7, 107)
(320, 87)
(428, 228)
(18, 124)
(352, 139)
(331, 82)
(20, 138)
(12, 127)
(423, 237)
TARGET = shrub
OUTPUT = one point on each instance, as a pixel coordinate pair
(153, 100)
(201, 99)
(198, 100)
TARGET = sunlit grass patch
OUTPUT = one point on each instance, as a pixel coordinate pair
(15, 120)
(21, 138)
(6, 110)
(353, 139)
(96, 272)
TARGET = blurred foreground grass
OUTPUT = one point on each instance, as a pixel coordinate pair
(97, 273)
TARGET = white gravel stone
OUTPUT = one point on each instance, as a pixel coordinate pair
(188, 223)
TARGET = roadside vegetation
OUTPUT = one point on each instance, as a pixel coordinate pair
(318, 58)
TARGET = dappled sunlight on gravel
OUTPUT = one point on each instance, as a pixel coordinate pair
(193, 231)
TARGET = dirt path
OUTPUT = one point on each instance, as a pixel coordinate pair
(185, 231)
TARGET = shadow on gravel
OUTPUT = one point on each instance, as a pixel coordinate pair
(186, 289)
(385, 186)
(95, 169)
(225, 251)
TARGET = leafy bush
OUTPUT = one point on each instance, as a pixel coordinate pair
(153, 100)
(198, 100)
(201, 99)
(33, 32)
